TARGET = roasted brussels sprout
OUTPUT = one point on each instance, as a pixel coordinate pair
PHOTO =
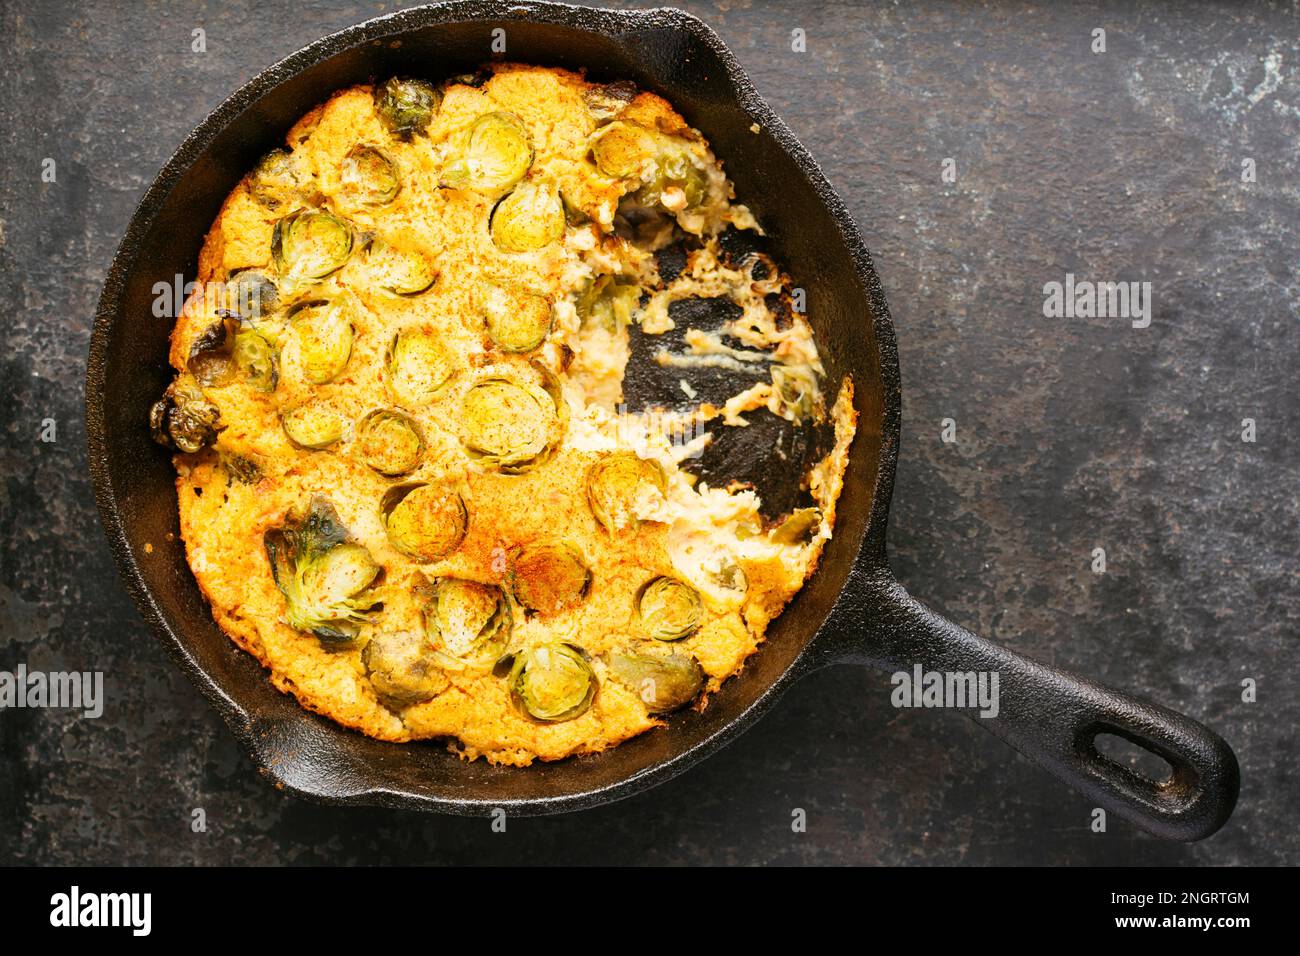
(407, 106)
(799, 527)
(279, 179)
(418, 365)
(663, 682)
(669, 609)
(403, 668)
(210, 360)
(226, 349)
(607, 101)
(308, 245)
(254, 357)
(389, 442)
(509, 424)
(368, 178)
(617, 482)
(517, 320)
(609, 303)
(183, 419)
(622, 149)
(401, 271)
(549, 577)
(677, 182)
(528, 219)
(323, 333)
(552, 682)
(469, 623)
(423, 522)
(322, 573)
(312, 426)
(252, 296)
(495, 154)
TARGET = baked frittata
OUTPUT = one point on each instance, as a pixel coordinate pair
(408, 484)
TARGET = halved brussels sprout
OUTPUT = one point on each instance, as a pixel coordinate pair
(403, 668)
(553, 682)
(495, 154)
(663, 682)
(255, 358)
(468, 622)
(607, 101)
(616, 482)
(549, 577)
(401, 271)
(312, 426)
(423, 522)
(418, 365)
(622, 149)
(528, 219)
(677, 183)
(517, 320)
(322, 573)
(183, 419)
(210, 354)
(609, 303)
(323, 331)
(389, 442)
(279, 179)
(669, 609)
(407, 106)
(368, 178)
(252, 296)
(799, 527)
(508, 423)
(309, 245)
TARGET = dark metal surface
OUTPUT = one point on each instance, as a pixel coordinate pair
(853, 836)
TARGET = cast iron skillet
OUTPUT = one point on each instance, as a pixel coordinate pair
(851, 611)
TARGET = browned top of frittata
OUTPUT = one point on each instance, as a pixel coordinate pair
(407, 483)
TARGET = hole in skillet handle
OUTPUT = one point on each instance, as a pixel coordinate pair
(1133, 755)
(1165, 778)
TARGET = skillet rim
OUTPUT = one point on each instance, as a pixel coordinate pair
(868, 564)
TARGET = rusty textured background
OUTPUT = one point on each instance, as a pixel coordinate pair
(1072, 433)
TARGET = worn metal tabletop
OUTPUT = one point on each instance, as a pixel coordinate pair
(1169, 158)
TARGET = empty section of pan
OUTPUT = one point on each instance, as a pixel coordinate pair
(770, 454)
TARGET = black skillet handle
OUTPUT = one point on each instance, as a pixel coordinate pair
(1053, 718)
